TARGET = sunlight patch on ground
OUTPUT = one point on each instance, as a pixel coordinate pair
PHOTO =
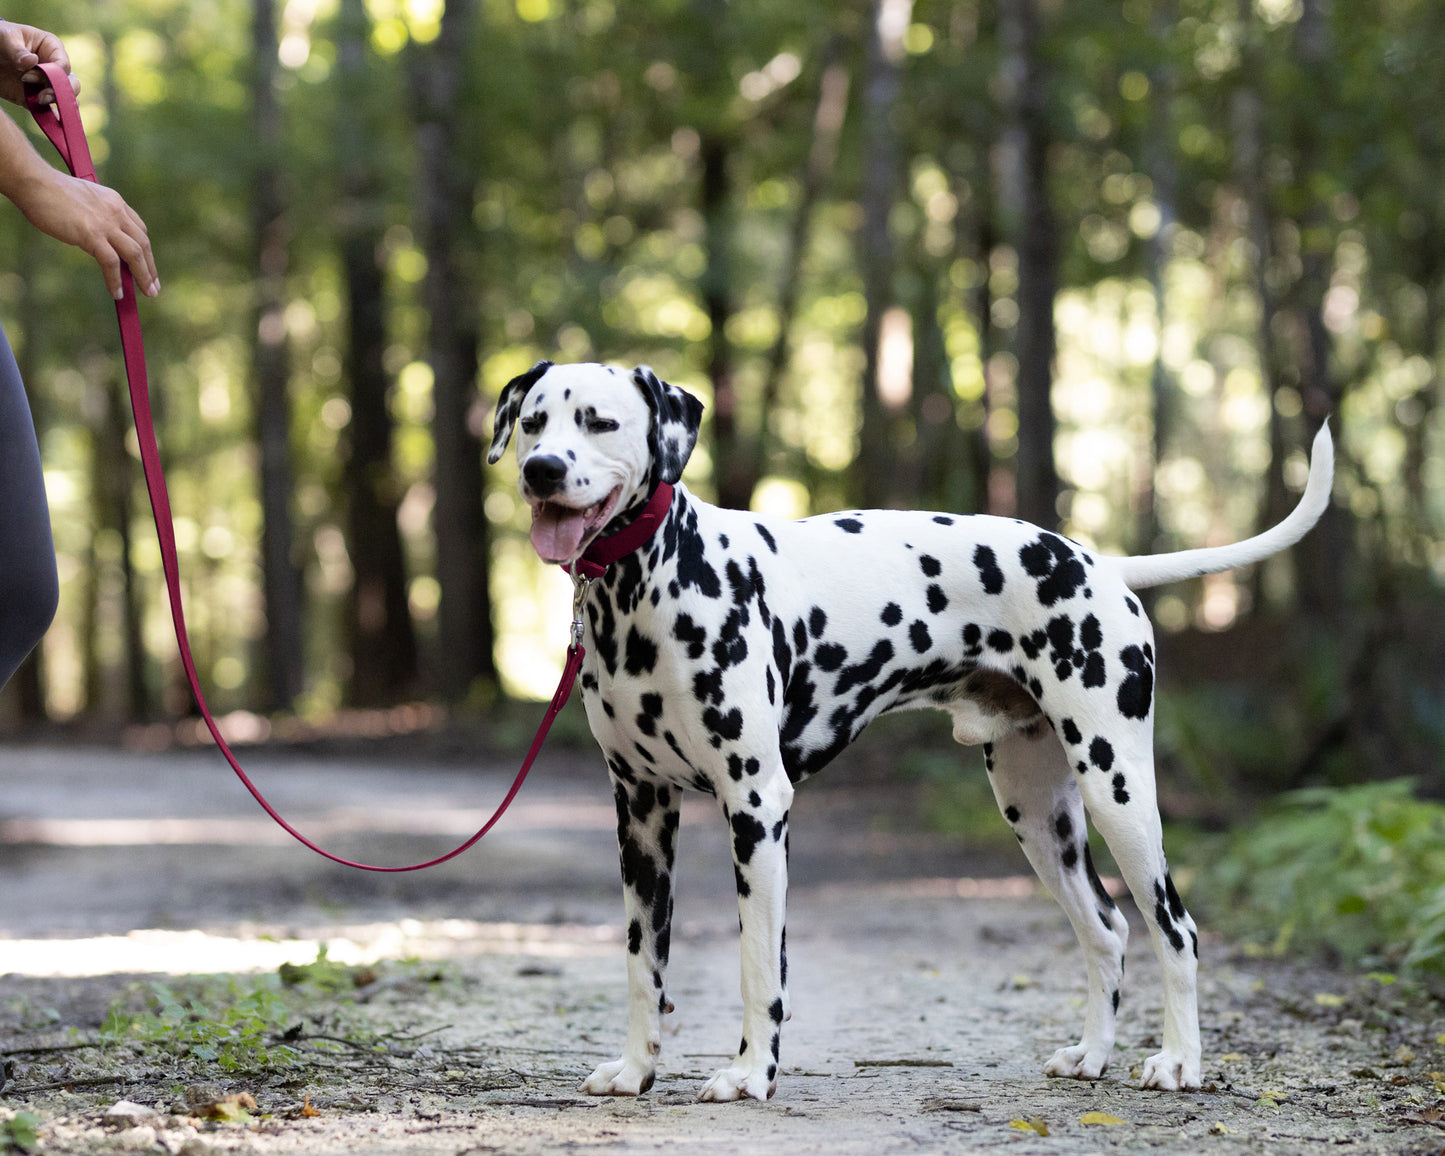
(260, 830)
(198, 952)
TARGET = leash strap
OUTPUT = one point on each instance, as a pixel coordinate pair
(61, 123)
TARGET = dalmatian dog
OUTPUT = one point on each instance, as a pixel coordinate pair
(736, 654)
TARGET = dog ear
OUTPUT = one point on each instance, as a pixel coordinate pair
(676, 418)
(509, 405)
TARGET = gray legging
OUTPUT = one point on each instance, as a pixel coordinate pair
(29, 586)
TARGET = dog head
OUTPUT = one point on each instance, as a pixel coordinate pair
(593, 442)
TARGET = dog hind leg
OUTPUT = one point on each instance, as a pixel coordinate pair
(1036, 792)
(648, 811)
(1121, 801)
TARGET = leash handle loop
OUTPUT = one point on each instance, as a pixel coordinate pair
(61, 124)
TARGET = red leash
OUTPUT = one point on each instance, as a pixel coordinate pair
(61, 123)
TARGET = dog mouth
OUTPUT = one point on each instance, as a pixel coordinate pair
(560, 533)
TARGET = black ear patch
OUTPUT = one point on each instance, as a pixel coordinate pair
(676, 418)
(509, 405)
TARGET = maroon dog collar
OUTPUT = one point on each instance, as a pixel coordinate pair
(607, 550)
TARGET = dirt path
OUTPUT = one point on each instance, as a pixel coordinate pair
(929, 985)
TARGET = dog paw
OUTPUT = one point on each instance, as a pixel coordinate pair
(1170, 1073)
(619, 1078)
(737, 1083)
(1078, 1063)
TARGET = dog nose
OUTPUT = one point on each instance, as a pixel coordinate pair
(545, 475)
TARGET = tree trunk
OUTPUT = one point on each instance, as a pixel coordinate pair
(270, 367)
(874, 468)
(1325, 558)
(1036, 481)
(444, 206)
(730, 458)
(1164, 174)
(827, 126)
(379, 633)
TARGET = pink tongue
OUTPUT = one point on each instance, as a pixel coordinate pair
(557, 532)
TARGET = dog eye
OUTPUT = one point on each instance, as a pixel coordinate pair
(533, 423)
(602, 425)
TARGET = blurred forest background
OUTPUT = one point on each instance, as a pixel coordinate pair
(1102, 265)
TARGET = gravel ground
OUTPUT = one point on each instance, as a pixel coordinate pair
(929, 982)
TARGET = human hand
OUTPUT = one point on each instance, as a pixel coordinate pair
(22, 50)
(96, 219)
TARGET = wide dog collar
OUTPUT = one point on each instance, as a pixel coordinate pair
(614, 547)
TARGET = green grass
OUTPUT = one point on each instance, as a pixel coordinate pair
(1356, 873)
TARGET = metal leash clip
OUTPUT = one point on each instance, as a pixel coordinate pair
(580, 586)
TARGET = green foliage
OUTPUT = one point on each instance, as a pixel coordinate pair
(1357, 872)
(19, 1132)
(228, 1022)
(325, 974)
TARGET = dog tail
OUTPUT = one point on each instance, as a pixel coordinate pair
(1157, 569)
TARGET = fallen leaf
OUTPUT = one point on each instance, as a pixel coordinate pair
(1231, 1058)
(1032, 1124)
(228, 1109)
(1020, 982)
(1100, 1118)
(1404, 1055)
(307, 1109)
(1329, 999)
(1221, 1130)
(1383, 978)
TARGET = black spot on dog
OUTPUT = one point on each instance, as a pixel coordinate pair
(864, 672)
(1071, 733)
(937, 599)
(817, 622)
(849, 525)
(943, 520)
(932, 567)
(989, 573)
(919, 636)
(707, 686)
(1000, 640)
(1101, 753)
(1132, 605)
(747, 834)
(892, 614)
(766, 537)
(1116, 1001)
(634, 937)
(1070, 857)
(693, 636)
(1058, 569)
(1136, 692)
(1176, 905)
(1011, 813)
(1164, 920)
(724, 727)
(641, 653)
(830, 656)
(1063, 826)
(1121, 796)
(1098, 884)
(775, 1012)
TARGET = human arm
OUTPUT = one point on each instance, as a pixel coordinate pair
(80, 213)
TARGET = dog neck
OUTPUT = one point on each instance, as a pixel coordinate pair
(609, 548)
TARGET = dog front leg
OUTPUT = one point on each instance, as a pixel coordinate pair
(647, 821)
(757, 812)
